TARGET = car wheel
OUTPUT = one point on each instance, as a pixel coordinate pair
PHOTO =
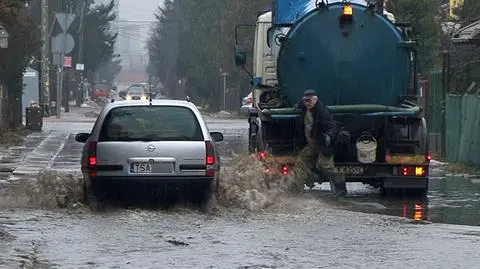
(93, 199)
(203, 195)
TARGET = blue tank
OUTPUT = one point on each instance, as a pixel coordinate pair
(363, 62)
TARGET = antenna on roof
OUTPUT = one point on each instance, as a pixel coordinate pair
(187, 98)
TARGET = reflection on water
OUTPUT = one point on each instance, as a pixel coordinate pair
(419, 211)
(452, 200)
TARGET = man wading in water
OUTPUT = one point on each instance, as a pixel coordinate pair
(318, 129)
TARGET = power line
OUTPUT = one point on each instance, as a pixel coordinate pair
(130, 21)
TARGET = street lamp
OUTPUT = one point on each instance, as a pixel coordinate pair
(3, 37)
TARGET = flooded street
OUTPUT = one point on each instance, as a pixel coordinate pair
(311, 230)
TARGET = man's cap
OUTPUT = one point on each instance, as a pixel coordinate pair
(309, 93)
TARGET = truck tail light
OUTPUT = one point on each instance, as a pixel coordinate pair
(262, 155)
(347, 11)
(417, 171)
(285, 170)
(210, 159)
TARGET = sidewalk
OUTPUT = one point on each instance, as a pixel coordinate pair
(40, 150)
(15, 155)
(76, 114)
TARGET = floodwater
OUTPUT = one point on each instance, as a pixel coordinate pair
(256, 223)
(452, 199)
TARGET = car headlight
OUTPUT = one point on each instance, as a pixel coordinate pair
(128, 97)
(143, 98)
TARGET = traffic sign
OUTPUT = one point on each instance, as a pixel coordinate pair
(68, 61)
(80, 67)
(65, 20)
(63, 43)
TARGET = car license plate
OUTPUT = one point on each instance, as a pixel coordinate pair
(351, 170)
(141, 168)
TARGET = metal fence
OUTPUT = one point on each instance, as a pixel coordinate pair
(463, 128)
(434, 94)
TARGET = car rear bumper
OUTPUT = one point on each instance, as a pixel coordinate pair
(104, 185)
(151, 180)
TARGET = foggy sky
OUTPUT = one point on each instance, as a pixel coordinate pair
(138, 9)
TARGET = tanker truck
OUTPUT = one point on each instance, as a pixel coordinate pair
(362, 65)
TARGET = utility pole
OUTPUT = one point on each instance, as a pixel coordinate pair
(80, 52)
(65, 85)
(45, 70)
(224, 74)
(60, 69)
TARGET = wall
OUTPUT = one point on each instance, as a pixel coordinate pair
(463, 128)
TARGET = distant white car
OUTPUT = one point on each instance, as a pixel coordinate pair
(246, 104)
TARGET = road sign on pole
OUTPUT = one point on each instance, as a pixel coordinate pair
(65, 20)
(80, 67)
(68, 61)
(63, 42)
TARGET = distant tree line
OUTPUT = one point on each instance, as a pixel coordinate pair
(192, 43)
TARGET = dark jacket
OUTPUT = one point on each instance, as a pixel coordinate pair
(323, 123)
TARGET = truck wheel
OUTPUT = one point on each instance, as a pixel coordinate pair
(338, 185)
(252, 139)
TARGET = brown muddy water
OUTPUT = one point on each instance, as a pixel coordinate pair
(257, 223)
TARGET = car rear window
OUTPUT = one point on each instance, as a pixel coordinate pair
(100, 86)
(136, 90)
(151, 123)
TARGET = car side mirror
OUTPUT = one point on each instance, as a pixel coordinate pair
(82, 137)
(216, 136)
(240, 56)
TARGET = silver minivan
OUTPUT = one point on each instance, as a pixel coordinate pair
(149, 142)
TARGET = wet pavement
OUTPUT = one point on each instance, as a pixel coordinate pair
(312, 230)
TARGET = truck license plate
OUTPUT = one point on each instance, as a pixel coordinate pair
(351, 170)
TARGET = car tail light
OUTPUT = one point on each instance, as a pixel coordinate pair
(210, 158)
(429, 157)
(92, 154)
(92, 158)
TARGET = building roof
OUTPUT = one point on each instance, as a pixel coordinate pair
(468, 34)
